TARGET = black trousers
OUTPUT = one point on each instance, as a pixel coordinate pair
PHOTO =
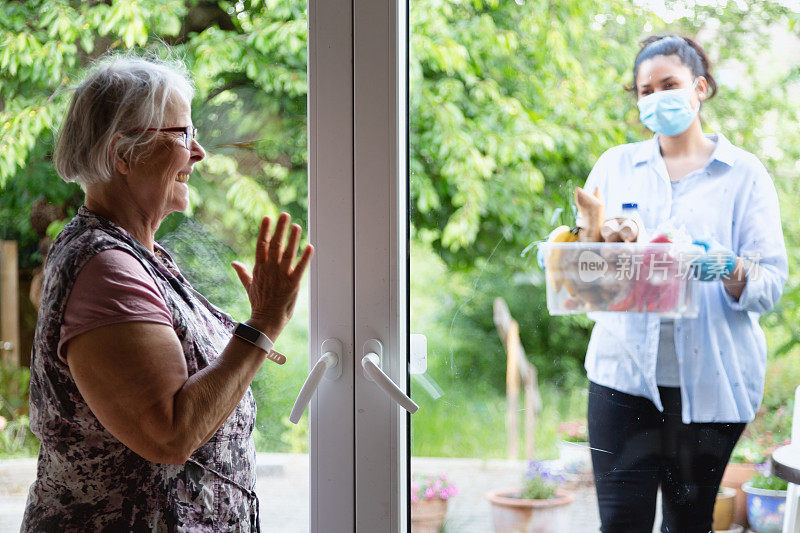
(636, 448)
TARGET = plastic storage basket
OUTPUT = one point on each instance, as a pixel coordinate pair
(620, 277)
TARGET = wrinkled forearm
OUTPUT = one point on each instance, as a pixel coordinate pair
(209, 397)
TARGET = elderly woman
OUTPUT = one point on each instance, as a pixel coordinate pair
(140, 388)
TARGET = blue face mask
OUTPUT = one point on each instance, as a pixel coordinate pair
(668, 112)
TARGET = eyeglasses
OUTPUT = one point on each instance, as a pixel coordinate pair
(189, 133)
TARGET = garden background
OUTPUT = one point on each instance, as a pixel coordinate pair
(511, 103)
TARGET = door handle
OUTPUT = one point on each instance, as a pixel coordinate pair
(328, 366)
(371, 364)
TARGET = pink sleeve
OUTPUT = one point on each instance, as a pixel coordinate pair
(112, 287)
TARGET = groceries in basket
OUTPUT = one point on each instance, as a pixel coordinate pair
(610, 264)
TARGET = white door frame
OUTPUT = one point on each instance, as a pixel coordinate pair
(380, 162)
(358, 223)
(330, 217)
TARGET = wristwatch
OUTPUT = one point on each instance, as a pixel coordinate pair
(259, 339)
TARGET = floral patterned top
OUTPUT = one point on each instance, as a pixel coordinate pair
(87, 480)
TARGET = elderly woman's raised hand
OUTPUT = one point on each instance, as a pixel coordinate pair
(273, 285)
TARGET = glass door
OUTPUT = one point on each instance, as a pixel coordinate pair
(274, 110)
(301, 162)
(473, 122)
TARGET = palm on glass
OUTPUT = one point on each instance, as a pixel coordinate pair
(274, 283)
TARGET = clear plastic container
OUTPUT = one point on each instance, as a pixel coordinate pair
(637, 277)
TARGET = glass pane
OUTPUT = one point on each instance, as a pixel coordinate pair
(248, 64)
(511, 106)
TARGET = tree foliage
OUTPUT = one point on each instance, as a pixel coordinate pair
(512, 104)
(248, 61)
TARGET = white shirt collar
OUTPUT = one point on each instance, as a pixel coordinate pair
(724, 152)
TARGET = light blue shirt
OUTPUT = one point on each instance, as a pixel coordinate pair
(668, 371)
(722, 353)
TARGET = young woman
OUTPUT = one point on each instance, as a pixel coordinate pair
(668, 399)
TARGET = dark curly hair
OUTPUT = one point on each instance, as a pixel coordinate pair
(688, 51)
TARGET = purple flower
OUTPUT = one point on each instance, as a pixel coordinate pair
(539, 472)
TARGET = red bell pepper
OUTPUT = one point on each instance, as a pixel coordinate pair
(646, 296)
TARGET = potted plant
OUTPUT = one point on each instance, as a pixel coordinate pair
(766, 500)
(573, 448)
(749, 451)
(754, 448)
(771, 426)
(539, 506)
(429, 497)
(723, 509)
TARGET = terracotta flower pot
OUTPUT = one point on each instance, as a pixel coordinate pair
(517, 515)
(427, 516)
(735, 475)
(723, 509)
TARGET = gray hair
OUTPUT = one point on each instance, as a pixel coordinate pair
(120, 93)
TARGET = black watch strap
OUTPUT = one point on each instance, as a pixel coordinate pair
(259, 339)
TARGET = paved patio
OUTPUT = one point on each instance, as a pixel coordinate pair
(282, 487)
(469, 512)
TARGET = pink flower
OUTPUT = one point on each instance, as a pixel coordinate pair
(431, 488)
(2, 423)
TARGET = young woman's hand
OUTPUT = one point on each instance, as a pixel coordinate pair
(716, 263)
(273, 285)
(593, 213)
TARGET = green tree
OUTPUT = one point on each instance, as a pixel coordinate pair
(248, 63)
